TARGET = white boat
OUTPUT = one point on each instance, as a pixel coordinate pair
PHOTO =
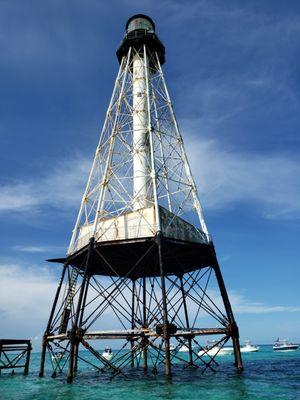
(213, 348)
(216, 350)
(249, 348)
(172, 347)
(107, 354)
(226, 350)
(206, 351)
(284, 345)
(183, 349)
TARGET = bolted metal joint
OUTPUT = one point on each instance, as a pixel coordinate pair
(166, 329)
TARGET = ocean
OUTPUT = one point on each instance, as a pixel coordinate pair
(267, 375)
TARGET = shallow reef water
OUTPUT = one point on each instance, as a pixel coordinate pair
(267, 375)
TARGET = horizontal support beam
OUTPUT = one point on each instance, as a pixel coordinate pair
(202, 332)
(14, 348)
(12, 366)
(131, 333)
(14, 341)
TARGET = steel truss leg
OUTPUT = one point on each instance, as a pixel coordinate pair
(80, 322)
(186, 320)
(26, 368)
(164, 302)
(74, 341)
(76, 349)
(132, 324)
(145, 350)
(44, 342)
(233, 326)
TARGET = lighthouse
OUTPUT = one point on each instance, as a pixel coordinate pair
(141, 267)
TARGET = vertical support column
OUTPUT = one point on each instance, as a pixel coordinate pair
(164, 301)
(0, 354)
(73, 333)
(80, 322)
(145, 350)
(26, 368)
(186, 319)
(233, 326)
(76, 349)
(132, 323)
(43, 356)
(44, 342)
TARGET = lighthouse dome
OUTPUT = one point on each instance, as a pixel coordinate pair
(140, 21)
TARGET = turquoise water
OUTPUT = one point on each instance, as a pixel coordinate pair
(267, 375)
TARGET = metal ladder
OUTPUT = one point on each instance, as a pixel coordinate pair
(69, 301)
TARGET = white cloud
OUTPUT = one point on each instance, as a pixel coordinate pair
(225, 177)
(245, 24)
(37, 249)
(18, 196)
(25, 299)
(62, 187)
(270, 183)
(242, 305)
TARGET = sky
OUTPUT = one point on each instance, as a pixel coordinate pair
(232, 69)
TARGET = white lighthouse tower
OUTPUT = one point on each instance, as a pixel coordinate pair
(140, 249)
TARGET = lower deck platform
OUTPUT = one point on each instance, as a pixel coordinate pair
(138, 258)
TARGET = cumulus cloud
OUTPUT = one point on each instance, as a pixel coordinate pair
(269, 182)
(25, 297)
(37, 249)
(62, 187)
(242, 305)
(226, 177)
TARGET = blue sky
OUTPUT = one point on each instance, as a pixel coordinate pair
(232, 69)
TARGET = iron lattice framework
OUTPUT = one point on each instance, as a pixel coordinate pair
(140, 263)
(169, 183)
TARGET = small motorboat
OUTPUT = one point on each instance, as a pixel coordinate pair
(226, 350)
(206, 351)
(249, 348)
(213, 348)
(183, 349)
(173, 347)
(107, 354)
(58, 355)
(284, 345)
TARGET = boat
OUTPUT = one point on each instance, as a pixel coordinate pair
(183, 349)
(173, 347)
(216, 350)
(57, 356)
(213, 348)
(249, 348)
(226, 350)
(107, 354)
(284, 345)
